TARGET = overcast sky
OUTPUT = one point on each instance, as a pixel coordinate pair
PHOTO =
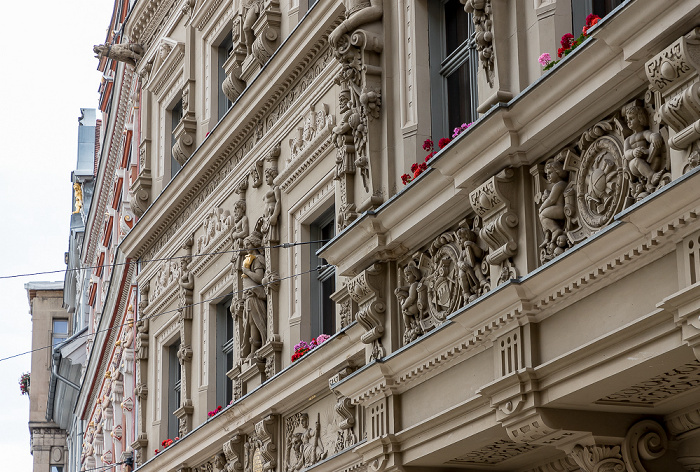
(48, 72)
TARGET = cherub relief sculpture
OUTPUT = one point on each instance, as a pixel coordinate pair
(412, 300)
(273, 206)
(239, 232)
(552, 211)
(644, 153)
(130, 53)
(254, 331)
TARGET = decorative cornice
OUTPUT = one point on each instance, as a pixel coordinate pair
(205, 12)
(166, 73)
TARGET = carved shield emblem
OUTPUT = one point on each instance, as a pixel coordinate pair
(444, 295)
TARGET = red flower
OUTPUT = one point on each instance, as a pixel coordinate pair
(560, 52)
(567, 40)
(414, 166)
(592, 19)
(156, 451)
(428, 145)
(417, 173)
(443, 142)
(406, 179)
(423, 166)
(595, 21)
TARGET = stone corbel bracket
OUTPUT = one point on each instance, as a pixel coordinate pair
(365, 290)
(184, 132)
(492, 202)
(267, 38)
(140, 188)
(674, 74)
(265, 432)
(233, 85)
(233, 451)
(685, 308)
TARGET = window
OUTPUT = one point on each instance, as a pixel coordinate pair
(174, 383)
(176, 117)
(59, 332)
(322, 281)
(580, 9)
(224, 51)
(56, 468)
(453, 66)
(224, 354)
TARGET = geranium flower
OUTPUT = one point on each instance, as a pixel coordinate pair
(406, 179)
(560, 52)
(427, 145)
(322, 338)
(428, 157)
(567, 40)
(443, 142)
(544, 59)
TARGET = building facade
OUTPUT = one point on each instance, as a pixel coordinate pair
(50, 327)
(524, 299)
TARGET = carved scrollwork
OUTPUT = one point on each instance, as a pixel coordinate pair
(365, 290)
(233, 452)
(646, 440)
(598, 458)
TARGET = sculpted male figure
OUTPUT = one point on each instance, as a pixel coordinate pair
(273, 207)
(239, 232)
(254, 298)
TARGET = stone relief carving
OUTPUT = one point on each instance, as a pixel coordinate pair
(318, 125)
(304, 447)
(129, 53)
(673, 74)
(214, 225)
(481, 16)
(233, 453)
(595, 458)
(359, 100)
(269, 222)
(618, 161)
(168, 273)
(495, 453)
(449, 274)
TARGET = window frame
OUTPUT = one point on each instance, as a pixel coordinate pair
(174, 389)
(320, 321)
(446, 65)
(225, 346)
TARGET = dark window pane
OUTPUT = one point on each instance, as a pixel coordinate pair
(459, 95)
(457, 23)
(328, 305)
(224, 51)
(177, 116)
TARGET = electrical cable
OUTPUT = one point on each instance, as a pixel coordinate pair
(155, 315)
(283, 246)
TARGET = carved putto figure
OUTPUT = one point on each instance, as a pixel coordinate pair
(412, 299)
(273, 206)
(239, 232)
(643, 152)
(552, 212)
(130, 53)
(254, 332)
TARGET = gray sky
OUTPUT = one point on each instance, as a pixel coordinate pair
(48, 73)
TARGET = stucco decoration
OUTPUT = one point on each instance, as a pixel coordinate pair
(129, 53)
(366, 290)
(256, 36)
(253, 321)
(184, 353)
(304, 447)
(494, 453)
(598, 458)
(240, 229)
(317, 126)
(437, 281)
(216, 223)
(615, 163)
(673, 73)
(184, 132)
(357, 43)
(233, 453)
(141, 388)
(482, 17)
(269, 222)
(492, 201)
(166, 276)
(345, 412)
(260, 449)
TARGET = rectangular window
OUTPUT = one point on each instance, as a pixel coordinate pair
(323, 280)
(453, 66)
(176, 117)
(59, 331)
(223, 51)
(56, 468)
(224, 353)
(174, 382)
(580, 9)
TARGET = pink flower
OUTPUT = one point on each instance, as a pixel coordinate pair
(322, 338)
(545, 59)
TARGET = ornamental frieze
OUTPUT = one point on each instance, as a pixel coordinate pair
(617, 162)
